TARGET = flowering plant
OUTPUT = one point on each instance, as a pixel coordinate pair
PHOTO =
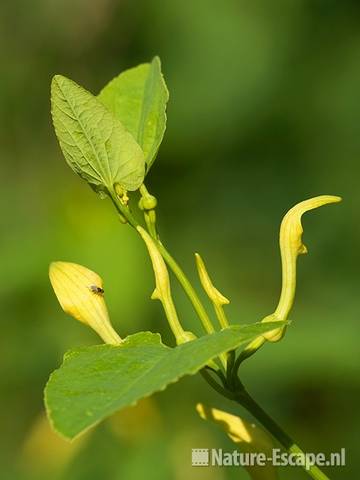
(111, 141)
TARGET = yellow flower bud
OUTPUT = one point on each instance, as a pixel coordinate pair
(80, 294)
(162, 290)
(147, 202)
(213, 293)
(291, 247)
(248, 437)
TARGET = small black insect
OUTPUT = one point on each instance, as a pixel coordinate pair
(97, 290)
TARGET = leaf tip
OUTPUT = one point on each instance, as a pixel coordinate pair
(58, 79)
(156, 60)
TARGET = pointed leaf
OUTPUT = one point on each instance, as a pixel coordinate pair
(94, 382)
(95, 143)
(138, 98)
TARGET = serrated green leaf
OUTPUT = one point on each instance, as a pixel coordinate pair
(138, 97)
(95, 143)
(94, 382)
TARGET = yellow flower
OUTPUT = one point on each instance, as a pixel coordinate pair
(291, 247)
(212, 292)
(80, 294)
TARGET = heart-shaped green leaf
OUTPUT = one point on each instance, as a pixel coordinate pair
(95, 143)
(138, 98)
(94, 382)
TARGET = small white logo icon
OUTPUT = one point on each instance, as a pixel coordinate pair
(200, 457)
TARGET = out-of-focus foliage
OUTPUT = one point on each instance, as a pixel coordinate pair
(264, 112)
(248, 437)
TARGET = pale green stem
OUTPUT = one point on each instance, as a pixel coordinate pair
(173, 265)
(221, 316)
(173, 319)
(189, 289)
(248, 351)
(143, 190)
(238, 394)
(244, 399)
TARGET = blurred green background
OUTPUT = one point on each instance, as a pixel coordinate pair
(264, 112)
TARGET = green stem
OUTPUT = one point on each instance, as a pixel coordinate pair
(244, 399)
(123, 210)
(221, 316)
(215, 385)
(173, 319)
(173, 265)
(150, 224)
(189, 289)
(230, 366)
(179, 273)
(248, 351)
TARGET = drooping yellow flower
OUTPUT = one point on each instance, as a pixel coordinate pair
(291, 247)
(248, 437)
(81, 295)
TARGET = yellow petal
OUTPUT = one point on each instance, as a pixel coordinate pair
(248, 437)
(291, 247)
(80, 294)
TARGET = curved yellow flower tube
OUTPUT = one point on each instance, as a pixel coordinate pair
(291, 247)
